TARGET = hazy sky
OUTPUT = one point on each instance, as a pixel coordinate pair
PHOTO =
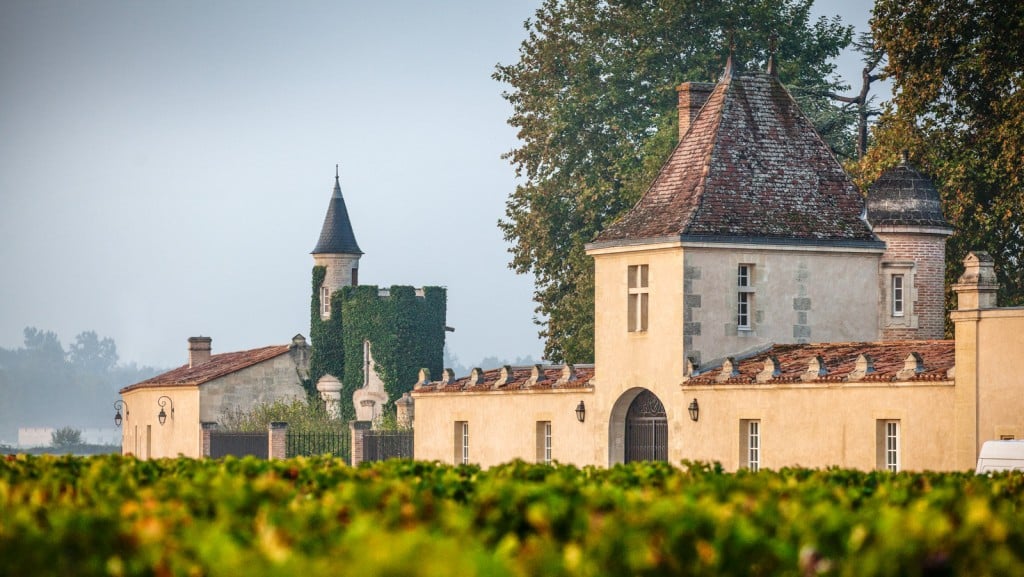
(165, 166)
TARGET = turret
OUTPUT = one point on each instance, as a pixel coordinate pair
(904, 210)
(337, 250)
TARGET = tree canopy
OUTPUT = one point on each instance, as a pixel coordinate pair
(594, 102)
(957, 68)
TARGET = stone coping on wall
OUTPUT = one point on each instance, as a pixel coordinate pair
(833, 364)
(510, 378)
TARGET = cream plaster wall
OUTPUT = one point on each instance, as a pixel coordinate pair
(144, 436)
(799, 296)
(503, 426)
(989, 377)
(275, 379)
(819, 425)
(635, 359)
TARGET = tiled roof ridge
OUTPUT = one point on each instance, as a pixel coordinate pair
(219, 365)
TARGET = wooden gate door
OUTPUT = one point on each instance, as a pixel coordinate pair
(646, 429)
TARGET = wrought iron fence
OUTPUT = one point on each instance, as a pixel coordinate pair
(224, 443)
(384, 445)
(308, 444)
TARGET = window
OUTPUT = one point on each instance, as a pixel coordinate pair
(355, 277)
(462, 442)
(1006, 437)
(543, 441)
(638, 298)
(897, 295)
(888, 442)
(325, 301)
(744, 295)
(750, 444)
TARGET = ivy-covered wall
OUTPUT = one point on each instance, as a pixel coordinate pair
(328, 354)
(406, 333)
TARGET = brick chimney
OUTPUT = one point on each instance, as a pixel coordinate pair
(692, 95)
(198, 350)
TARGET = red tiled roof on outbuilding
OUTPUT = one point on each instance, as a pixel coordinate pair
(216, 367)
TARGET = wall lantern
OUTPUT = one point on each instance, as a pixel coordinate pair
(162, 417)
(694, 410)
(581, 412)
(118, 405)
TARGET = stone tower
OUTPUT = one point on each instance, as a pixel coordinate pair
(337, 250)
(904, 210)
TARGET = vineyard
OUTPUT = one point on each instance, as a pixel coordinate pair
(112, 515)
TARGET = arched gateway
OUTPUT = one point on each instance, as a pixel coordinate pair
(646, 429)
(638, 430)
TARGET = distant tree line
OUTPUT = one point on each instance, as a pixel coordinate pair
(43, 384)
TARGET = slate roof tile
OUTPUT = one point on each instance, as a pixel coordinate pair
(336, 236)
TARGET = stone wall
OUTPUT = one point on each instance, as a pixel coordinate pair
(273, 380)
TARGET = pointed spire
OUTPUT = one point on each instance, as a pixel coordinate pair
(336, 236)
(729, 65)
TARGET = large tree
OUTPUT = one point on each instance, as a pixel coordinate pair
(958, 74)
(593, 97)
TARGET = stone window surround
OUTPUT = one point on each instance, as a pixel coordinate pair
(544, 442)
(461, 442)
(325, 302)
(750, 444)
(907, 271)
(745, 292)
(889, 445)
(638, 295)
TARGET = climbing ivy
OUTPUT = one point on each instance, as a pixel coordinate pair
(405, 331)
(328, 354)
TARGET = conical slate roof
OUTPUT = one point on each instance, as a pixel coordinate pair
(903, 196)
(336, 236)
(751, 168)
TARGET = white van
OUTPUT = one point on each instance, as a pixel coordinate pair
(1001, 456)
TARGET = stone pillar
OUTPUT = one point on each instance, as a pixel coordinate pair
(977, 287)
(330, 391)
(358, 428)
(406, 411)
(207, 428)
(277, 439)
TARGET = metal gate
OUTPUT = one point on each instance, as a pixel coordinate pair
(224, 443)
(646, 429)
(384, 445)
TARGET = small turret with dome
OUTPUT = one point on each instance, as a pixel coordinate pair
(905, 211)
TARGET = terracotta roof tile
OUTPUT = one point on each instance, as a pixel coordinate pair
(751, 166)
(521, 381)
(216, 367)
(840, 360)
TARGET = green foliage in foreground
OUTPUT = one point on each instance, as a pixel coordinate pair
(120, 516)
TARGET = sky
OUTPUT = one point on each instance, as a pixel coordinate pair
(165, 167)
